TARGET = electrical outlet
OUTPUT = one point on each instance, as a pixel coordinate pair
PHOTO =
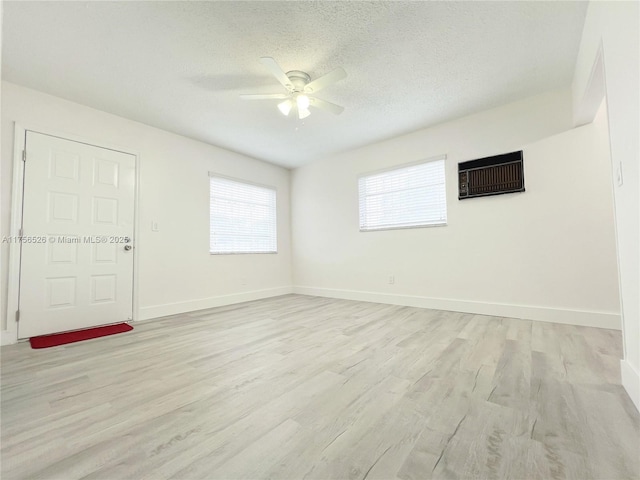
(392, 279)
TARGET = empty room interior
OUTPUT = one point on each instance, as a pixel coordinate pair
(320, 240)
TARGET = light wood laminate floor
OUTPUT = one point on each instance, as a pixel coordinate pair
(300, 387)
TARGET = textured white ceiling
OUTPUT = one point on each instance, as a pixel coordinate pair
(180, 66)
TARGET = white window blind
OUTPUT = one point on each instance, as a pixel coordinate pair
(242, 217)
(411, 196)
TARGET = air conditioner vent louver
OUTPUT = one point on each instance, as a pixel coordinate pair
(491, 176)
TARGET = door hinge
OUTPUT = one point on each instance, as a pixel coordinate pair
(20, 233)
(24, 155)
(17, 315)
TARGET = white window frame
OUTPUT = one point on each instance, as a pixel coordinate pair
(443, 223)
(213, 175)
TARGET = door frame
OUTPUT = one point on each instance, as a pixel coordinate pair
(17, 196)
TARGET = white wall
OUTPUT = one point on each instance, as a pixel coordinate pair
(546, 254)
(614, 27)
(3, 302)
(176, 272)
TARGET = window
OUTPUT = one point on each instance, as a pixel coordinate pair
(410, 196)
(242, 217)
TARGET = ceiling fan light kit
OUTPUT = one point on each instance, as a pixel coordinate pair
(285, 107)
(302, 101)
(299, 87)
(301, 105)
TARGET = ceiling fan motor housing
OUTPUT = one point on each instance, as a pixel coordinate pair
(298, 80)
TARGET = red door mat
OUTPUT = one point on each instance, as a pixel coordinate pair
(46, 341)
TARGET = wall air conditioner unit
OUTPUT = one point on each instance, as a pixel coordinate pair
(491, 176)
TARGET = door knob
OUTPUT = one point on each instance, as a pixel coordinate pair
(127, 247)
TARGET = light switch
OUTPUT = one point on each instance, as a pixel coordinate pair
(154, 227)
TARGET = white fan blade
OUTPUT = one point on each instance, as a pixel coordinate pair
(328, 106)
(276, 71)
(267, 96)
(326, 80)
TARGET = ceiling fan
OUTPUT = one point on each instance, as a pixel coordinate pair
(299, 90)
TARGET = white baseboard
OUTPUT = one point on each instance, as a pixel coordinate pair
(8, 338)
(166, 309)
(631, 381)
(543, 314)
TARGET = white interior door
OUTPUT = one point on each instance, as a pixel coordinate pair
(77, 226)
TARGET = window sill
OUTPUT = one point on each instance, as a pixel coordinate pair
(403, 228)
(242, 253)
